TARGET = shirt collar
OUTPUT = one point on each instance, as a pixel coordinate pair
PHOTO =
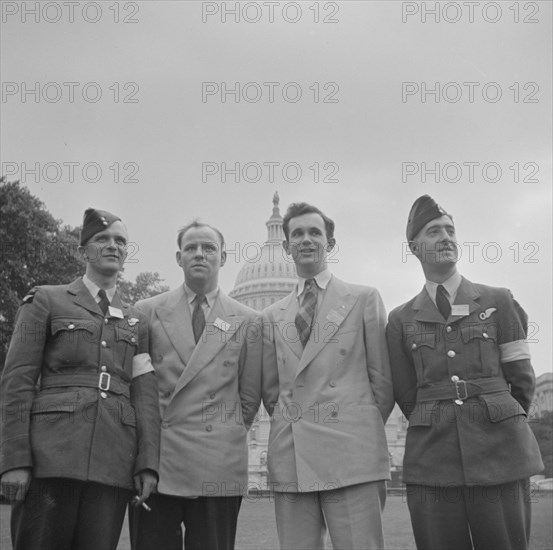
(210, 296)
(451, 285)
(322, 279)
(93, 288)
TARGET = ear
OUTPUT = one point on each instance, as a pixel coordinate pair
(178, 257)
(82, 253)
(223, 258)
(414, 247)
(331, 243)
(286, 246)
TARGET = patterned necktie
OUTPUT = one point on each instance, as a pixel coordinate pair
(442, 302)
(104, 301)
(198, 317)
(304, 318)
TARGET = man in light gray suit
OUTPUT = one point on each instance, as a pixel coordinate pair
(206, 351)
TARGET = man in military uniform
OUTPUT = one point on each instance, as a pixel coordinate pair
(462, 376)
(80, 413)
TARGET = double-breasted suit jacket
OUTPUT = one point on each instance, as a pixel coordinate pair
(209, 393)
(70, 405)
(329, 401)
(476, 357)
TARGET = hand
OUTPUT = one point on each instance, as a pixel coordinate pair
(145, 483)
(14, 483)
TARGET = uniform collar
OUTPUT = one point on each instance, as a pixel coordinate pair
(191, 295)
(93, 288)
(322, 279)
(451, 285)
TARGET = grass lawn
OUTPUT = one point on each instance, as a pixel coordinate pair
(257, 531)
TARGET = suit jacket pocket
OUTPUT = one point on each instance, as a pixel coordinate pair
(502, 405)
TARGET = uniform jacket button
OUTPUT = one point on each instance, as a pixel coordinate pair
(103, 394)
(332, 384)
(451, 353)
(414, 346)
(208, 428)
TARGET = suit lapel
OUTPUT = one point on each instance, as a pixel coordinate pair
(176, 320)
(213, 339)
(286, 319)
(425, 309)
(83, 297)
(335, 307)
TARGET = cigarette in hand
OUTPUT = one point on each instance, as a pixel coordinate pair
(144, 505)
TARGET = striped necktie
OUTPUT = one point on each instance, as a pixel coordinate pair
(304, 318)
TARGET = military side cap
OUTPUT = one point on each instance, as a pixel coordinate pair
(95, 221)
(424, 209)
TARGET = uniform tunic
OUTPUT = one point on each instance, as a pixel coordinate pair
(71, 407)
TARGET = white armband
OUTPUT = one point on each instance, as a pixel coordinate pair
(514, 351)
(141, 364)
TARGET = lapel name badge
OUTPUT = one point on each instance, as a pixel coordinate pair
(222, 325)
(132, 321)
(460, 310)
(334, 317)
(115, 312)
(485, 314)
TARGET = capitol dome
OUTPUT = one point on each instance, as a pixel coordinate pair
(271, 274)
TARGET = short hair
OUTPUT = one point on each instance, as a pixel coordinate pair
(194, 224)
(299, 209)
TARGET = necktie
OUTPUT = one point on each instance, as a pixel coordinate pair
(304, 318)
(104, 301)
(442, 302)
(198, 317)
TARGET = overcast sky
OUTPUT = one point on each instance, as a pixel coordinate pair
(346, 106)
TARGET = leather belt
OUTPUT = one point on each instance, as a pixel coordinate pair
(103, 381)
(460, 390)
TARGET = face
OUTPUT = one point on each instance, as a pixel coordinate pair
(105, 252)
(436, 242)
(307, 243)
(201, 257)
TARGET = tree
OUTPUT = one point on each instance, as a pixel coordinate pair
(543, 430)
(147, 284)
(36, 250)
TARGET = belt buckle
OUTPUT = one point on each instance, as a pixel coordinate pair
(104, 381)
(461, 398)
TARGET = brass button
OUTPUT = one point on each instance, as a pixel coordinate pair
(71, 326)
(165, 424)
(451, 353)
(104, 344)
(414, 346)
(455, 378)
(133, 339)
(103, 368)
(103, 394)
(106, 321)
(448, 329)
(208, 428)
(485, 334)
